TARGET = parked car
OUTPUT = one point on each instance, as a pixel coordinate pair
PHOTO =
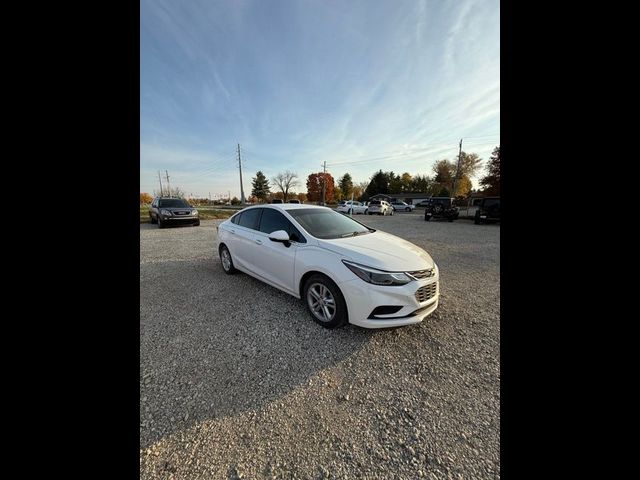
(441, 207)
(488, 210)
(276, 200)
(344, 271)
(172, 211)
(380, 207)
(294, 201)
(402, 206)
(352, 207)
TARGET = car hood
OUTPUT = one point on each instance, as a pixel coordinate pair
(382, 251)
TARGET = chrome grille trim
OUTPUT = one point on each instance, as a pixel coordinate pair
(420, 274)
(427, 292)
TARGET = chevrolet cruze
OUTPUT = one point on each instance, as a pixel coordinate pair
(344, 271)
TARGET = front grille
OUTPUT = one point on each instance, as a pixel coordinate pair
(427, 292)
(181, 212)
(420, 274)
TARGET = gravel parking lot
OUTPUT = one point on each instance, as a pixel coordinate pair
(236, 380)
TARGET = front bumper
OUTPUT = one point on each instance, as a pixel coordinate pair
(362, 298)
(180, 218)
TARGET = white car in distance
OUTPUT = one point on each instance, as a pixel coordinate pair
(405, 207)
(352, 208)
(344, 271)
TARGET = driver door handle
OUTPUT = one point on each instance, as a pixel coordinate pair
(258, 241)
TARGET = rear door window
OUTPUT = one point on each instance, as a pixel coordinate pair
(250, 218)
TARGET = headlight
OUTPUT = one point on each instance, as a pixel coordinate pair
(166, 212)
(194, 212)
(377, 277)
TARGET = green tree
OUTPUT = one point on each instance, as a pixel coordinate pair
(395, 183)
(379, 184)
(235, 201)
(346, 185)
(261, 189)
(491, 181)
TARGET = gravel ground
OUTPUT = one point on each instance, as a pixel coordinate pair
(236, 381)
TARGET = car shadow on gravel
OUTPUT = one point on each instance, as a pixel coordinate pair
(215, 345)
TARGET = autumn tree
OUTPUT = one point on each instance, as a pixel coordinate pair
(406, 183)
(445, 171)
(302, 197)
(346, 185)
(285, 181)
(145, 198)
(314, 187)
(491, 181)
(261, 189)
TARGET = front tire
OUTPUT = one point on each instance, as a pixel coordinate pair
(153, 220)
(325, 301)
(366, 211)
(226, 260)
(161, 224)
(408, 209)
(197, 223)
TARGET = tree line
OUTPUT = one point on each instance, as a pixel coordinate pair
(447, 180)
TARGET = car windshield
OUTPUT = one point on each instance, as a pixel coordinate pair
(327, 224)
(172, 203)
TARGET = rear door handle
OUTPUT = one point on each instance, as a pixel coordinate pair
(232, 231)
(258, 241)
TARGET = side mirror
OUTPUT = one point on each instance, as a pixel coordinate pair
(279, 236)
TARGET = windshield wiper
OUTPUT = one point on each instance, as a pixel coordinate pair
(352, 234)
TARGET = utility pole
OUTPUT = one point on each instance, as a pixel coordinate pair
(455, 178)
(240, 167)
(324, 180)
(168, 182)
(229, 196)
(160, 178)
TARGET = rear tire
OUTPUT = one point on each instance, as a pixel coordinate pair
(197, 224)
(320, 287)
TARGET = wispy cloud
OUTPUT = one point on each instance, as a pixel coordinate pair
(300, 83)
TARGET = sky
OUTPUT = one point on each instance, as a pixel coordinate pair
(360, 85)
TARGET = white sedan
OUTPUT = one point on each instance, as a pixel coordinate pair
(402, 206)
(352, 208)
(344, 271)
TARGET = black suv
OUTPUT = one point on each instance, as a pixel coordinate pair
(440, 207)
(172, 211)
(488, 210)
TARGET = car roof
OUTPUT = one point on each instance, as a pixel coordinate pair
(284, 206)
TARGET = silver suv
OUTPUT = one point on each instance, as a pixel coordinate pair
(380, 207)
